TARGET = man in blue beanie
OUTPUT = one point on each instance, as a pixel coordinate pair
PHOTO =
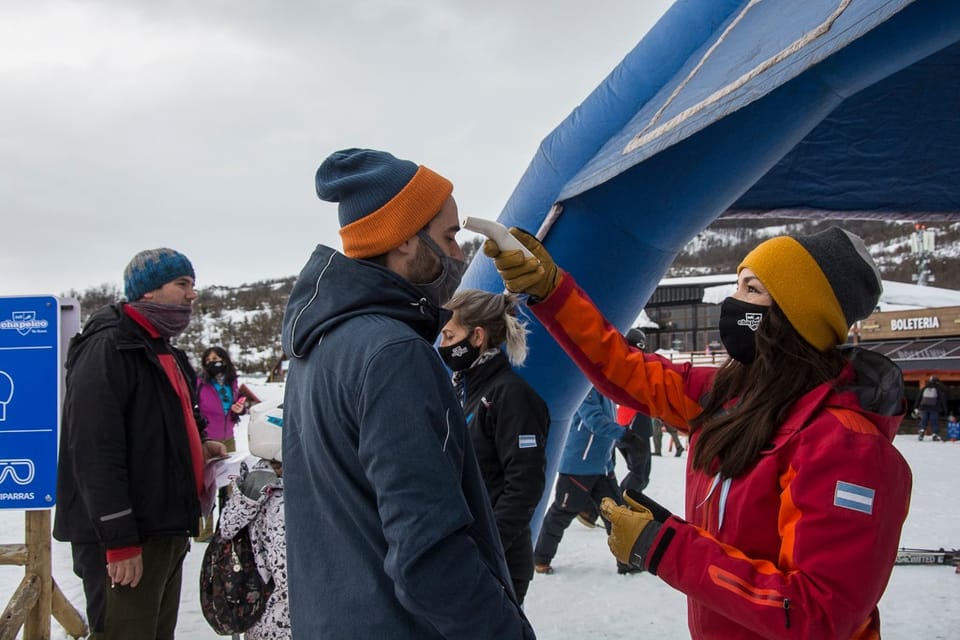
(132, 452)
(390, 533)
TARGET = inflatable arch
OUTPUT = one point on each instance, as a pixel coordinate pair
(787, 108)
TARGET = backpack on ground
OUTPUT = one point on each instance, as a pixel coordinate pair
(233, 596)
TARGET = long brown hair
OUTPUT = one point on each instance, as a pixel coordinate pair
(786, 367)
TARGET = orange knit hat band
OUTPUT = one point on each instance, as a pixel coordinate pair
(400, 218)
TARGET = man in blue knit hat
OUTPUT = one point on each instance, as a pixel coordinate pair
(132, 452)
(390, 533)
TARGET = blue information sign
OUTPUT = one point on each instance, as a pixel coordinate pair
(29, 401)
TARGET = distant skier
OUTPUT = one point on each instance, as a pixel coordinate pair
(931, 402)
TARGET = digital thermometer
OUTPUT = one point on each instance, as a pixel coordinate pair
(496, 232)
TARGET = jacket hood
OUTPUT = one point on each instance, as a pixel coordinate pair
(106, 317)
(103, 318)
(877, 384)
(333, 288)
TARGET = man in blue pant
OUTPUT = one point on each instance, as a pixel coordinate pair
(931, 402)
(586, 473)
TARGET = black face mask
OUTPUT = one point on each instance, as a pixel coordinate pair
(738, 325)
(441, 289)
(459, 356)
(215, 367)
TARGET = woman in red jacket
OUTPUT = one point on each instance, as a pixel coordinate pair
(795, 495)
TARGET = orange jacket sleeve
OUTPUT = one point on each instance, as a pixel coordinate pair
(644, 382)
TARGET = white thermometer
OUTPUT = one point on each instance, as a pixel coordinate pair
(496, 232)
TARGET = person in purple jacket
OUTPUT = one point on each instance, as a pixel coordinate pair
(221, 405)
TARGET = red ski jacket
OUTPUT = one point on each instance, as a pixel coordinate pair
(802, 544)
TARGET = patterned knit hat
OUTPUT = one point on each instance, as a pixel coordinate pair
(823, 282)
(384, 201)
(153, 268)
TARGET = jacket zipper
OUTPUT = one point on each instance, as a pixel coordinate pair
(786, 611)
(586, 451)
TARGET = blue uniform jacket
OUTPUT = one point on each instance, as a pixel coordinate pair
(588, 450)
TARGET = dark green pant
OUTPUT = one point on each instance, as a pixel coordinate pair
(145, 612)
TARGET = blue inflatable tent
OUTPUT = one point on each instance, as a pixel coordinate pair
(786, 108)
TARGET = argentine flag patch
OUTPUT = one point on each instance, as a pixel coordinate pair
(854, 497)
(528, 442)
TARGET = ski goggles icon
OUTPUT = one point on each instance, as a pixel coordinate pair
(20, 470)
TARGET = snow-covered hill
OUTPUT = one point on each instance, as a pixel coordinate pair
(719, 247)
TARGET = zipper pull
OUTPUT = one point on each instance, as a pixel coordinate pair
(786, 610)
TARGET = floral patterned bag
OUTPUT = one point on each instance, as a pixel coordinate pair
(233, 596)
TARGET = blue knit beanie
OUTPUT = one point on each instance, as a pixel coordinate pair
(384, 201)
(151, 269)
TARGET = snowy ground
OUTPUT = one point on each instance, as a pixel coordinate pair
(586, 598)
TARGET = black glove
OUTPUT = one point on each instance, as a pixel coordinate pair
(627, 439)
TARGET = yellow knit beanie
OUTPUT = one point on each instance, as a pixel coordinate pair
(823, 283)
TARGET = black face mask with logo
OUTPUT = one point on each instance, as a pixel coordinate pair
(738, 326)
(459, 356)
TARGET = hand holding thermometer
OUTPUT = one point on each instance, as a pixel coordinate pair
(496, 232)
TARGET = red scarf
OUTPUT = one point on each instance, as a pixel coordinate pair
(179, 382)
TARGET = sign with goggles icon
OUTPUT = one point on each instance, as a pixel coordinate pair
(30, 375)
(20, 471)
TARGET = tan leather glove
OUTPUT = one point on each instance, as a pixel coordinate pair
(537, 276)
(626, 525)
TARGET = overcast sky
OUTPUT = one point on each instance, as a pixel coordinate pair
(129, 124)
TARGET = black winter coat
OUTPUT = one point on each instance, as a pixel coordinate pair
(124, 470)
(940, 404)
(508, 423)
